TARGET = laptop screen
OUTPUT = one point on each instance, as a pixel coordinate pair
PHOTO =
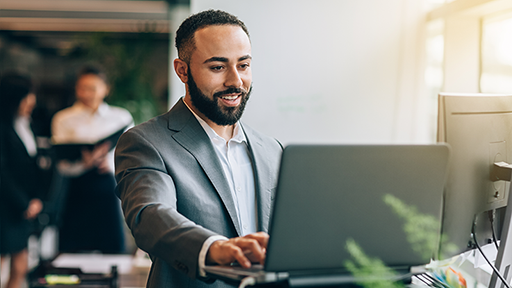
(330, 194)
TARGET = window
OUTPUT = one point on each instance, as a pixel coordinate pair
(496, 54)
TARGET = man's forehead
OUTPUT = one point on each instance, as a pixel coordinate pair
(227, 41)
(226, 28)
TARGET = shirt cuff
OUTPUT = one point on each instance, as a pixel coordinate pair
(204, 251)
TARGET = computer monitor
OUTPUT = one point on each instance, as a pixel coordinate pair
(478, 127)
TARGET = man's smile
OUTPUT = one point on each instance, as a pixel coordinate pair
(231, 100)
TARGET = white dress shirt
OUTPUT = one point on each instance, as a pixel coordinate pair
(237, 167)
(80, 124)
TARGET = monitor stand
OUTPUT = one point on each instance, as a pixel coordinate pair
(504, 258)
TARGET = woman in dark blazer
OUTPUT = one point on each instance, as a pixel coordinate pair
(19, 174)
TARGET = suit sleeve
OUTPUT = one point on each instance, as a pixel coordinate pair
(148, 196)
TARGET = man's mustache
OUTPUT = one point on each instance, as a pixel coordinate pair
(231, 90)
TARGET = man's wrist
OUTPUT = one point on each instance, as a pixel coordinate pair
(204, 252)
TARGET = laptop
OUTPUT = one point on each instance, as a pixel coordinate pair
(328, 194)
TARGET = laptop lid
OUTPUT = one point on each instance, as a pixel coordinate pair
(328, 194)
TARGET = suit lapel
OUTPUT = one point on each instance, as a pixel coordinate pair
(262, 178)
(194, 139)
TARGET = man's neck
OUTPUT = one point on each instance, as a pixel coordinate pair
(225, 132)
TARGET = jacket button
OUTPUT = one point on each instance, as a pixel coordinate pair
(182, 267)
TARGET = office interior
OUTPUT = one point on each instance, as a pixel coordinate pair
(324, 71)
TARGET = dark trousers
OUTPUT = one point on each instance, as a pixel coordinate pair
(92, 220)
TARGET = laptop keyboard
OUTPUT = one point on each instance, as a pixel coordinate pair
(253, 269)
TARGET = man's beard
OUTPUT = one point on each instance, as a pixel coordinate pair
(210, 108)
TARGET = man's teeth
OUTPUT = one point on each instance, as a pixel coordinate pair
(230, 97)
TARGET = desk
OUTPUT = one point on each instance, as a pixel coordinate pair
(410, 282)
(285, 285)
(97, 268)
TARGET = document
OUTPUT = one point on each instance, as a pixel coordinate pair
(73, 151)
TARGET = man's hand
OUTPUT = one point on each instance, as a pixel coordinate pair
(96, 157)
(244, 250)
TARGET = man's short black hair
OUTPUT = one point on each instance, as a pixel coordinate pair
(185, 35)
(93, 70)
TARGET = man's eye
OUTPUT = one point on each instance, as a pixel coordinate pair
(244, 66)
(216, 68)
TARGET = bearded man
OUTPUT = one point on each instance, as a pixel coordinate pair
(195, 183)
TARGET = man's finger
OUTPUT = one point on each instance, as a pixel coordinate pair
(241, 259)
(261, 237)
(251, 249)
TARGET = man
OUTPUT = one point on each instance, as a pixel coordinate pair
(195, 183)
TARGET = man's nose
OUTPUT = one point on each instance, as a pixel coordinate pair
(233, 79)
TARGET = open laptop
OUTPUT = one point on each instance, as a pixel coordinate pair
(327, 194)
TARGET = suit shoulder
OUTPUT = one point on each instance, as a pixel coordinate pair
(265, 139)
(153, 126)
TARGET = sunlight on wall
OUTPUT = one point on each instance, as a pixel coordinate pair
(434, 74)
(432, 4)
(496, 56)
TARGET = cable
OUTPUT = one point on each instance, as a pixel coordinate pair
(249, 281)
(491, 218)
(485, 257)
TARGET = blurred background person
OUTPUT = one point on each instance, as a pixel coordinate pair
(20, 189)
(91, 217)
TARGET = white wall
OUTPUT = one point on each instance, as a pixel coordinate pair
(332, 71)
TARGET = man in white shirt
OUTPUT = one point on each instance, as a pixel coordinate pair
(196, 184)
(91, 209)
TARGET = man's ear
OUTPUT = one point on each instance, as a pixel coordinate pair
(108, 90)
(181, 69)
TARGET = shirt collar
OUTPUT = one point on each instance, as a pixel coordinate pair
(238, 133)
(25, 120)
(102, 109)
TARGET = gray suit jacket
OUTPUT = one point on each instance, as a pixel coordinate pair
(175, 195)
